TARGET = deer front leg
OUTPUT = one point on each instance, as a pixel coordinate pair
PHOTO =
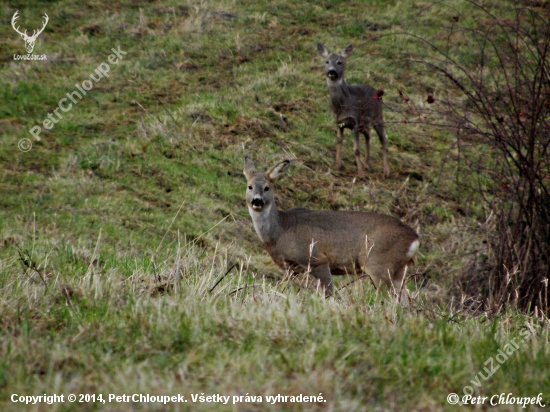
(384, 142)
(357, 153)
(322, 274)
(339, 140)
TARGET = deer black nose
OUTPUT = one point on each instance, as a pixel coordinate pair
(332, 74)
(257, 202)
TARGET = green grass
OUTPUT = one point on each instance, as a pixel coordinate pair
(168, 334)
(132, 207)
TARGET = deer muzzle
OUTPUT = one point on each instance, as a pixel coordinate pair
(257, 203)
(332, 74)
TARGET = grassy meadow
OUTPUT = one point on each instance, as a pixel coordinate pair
(129, 263)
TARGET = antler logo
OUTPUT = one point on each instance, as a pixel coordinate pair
(29, 40)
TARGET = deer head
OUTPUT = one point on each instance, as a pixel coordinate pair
(29, 40)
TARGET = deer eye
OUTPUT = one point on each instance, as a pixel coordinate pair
(326, 62)
(339, 63)
(249, 187)
(266, 189)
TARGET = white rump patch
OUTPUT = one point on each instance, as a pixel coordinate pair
(413, 248)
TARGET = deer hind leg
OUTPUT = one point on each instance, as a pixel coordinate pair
(384, 142)
(366, 133)
(357, 153)
(385, 278)
(323, 275)
(339, 140)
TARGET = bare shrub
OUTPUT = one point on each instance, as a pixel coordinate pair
(496, 96)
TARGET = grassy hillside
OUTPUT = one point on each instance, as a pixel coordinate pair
(115, 226)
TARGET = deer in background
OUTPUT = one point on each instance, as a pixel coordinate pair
(29, 40)
(328, 243)
(355, 107)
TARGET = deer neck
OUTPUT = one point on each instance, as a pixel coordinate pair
(339, 93)
(267, 224)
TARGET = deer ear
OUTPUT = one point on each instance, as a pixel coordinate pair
(322, 49)
(278, 171)
(347, 51)
(249, 169)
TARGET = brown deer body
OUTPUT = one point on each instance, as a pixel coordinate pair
(328, 243)
(355, 107)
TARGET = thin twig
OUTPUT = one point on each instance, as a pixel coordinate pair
(169, 114)
(353, 281)
(226, 273)
(452, 317)
(29, 263)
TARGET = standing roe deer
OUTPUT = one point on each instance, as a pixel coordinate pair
(328, 242)
(355, 107)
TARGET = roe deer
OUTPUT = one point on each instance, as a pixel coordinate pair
(355, 107)
(328, 242)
